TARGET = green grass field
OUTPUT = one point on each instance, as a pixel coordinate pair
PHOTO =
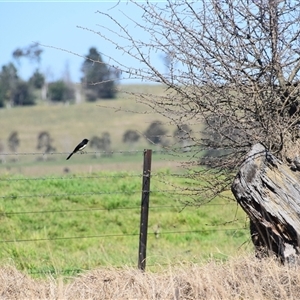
(76, 222)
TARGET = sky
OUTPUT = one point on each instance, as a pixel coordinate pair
(55, 24)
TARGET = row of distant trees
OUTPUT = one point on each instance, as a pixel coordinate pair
(98, 81)
(155, 134)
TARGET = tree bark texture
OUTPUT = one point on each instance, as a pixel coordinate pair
(269, 192)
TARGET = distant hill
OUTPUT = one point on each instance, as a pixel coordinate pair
(69, 124)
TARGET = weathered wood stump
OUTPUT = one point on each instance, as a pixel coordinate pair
(269, 192)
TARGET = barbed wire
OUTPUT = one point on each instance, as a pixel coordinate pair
(74, 177)
(71, 177)
(104, 209)
(160, 151)
(14, 196)
(69, 238)
(120, 235)
(66, 153)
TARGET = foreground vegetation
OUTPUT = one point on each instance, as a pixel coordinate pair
(67, 224)
(238, 278)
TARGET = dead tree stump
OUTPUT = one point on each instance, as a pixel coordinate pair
(269, 192)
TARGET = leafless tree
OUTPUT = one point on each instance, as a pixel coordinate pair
(45, 143)
(236, 74)
(13, 141)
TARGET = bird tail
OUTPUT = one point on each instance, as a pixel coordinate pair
(70, 155)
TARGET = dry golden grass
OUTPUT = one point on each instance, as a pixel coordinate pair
(239, 278)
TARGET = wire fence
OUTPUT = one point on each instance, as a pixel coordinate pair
(107, 153)
(121, 203)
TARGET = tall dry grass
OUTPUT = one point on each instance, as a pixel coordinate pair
(241, 278)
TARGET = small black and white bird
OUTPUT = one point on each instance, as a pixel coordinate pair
(79, 147)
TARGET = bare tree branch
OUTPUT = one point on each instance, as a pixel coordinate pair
(235, 72)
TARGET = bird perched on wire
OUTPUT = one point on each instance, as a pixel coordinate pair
(79, 147)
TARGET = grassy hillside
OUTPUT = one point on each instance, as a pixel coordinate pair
(69, 124)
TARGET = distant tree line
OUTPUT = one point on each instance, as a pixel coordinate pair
(98, 81)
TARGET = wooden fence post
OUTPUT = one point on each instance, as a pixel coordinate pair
(144, 209)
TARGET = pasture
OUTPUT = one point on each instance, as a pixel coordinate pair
(72, 226)
(68, 124)
(64, 225)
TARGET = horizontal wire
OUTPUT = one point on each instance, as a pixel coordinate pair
(94, 193)
(66, 153)
(72, 177)
(107, 209)
(85, 152)
(80, 210)
(154, 151)
(66, 195)
(92, 177)
(69, 238)
(120, 235)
